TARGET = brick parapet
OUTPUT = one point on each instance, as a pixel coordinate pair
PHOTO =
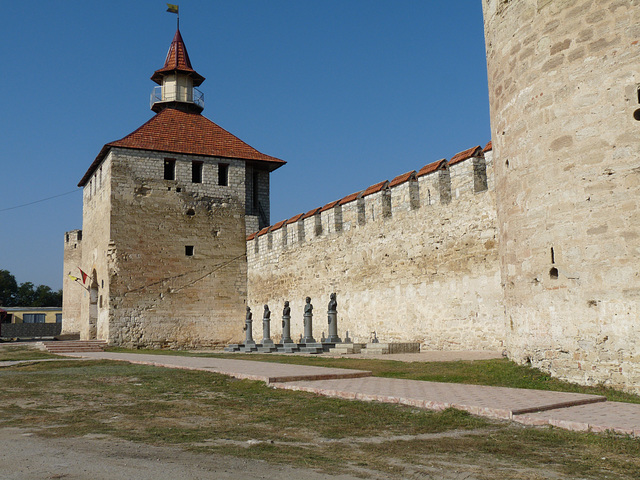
(386, 202)
(424, 272)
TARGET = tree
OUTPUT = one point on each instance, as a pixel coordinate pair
(26, 294)
(45, 297)
(8, 289)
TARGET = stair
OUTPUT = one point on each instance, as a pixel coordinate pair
(74, 346)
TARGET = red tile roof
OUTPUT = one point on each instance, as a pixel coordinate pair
(488, 147)
(174, 131)
(311, 213)
(431, 167)
(263, 231)
(252, 236)
(471, 152)
(177, 61)
(278, 225)
(405, 177)
(295, 218)
(329, 206)
(349, 198)
(375, 188)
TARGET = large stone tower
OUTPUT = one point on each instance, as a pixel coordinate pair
(564, 79)
(166, 210)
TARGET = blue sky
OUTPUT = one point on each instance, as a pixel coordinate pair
(348, 92)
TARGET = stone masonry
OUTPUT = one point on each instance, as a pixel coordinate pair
(414, 259)
(564, 83)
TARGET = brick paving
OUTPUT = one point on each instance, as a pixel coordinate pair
(617, 417)
(495, 402)
(244, 369)
(571, 411)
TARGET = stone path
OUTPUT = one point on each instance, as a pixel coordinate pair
(245, 369)
(495, 402)
(571, 411)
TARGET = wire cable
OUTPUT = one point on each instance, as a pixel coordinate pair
(40, 201)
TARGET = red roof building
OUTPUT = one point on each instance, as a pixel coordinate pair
(178, 127)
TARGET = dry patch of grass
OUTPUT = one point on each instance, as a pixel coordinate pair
(207, 412)
(14, 353)
(497, 373)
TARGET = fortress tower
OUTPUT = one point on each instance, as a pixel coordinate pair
(166, 210)
(564, 79)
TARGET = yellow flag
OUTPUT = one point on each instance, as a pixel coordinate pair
(172, 8)
(75, 279)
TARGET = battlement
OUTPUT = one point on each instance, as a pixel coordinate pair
(414, 259)
(72, 238)
(469, 172)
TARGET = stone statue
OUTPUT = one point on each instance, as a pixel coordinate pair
(286, 324)
(308, 308)
(308, 322)
(332, 315)
(266, 327)
(248, 321)
(333, 304)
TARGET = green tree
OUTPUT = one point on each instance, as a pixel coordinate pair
(45, 297)
(8, 289)
(26, 294)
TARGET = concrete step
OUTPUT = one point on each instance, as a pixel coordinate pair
(73, 346)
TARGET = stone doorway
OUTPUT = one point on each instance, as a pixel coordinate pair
(93, 307)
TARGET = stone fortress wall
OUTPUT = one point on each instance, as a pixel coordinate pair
(165, 258)
(73, 292)
(414, 259)
(564, 90)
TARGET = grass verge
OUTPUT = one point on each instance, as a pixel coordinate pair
(15, 353)
(497, 373)
(207, 412)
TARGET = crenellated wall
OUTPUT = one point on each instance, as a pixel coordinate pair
(414, 259)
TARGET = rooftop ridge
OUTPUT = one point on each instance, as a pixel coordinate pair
(178, 132)
(377, 187)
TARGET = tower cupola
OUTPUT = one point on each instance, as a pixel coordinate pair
(177, 81)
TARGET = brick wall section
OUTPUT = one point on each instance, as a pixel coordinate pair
(139, 226)
(425, 273)
(563, 86)
(72, 290)
(96, 223)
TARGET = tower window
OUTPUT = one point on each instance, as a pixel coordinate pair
(196, 172)
(553, 273)
(255, 191)
(188, 250)
(169, 169)
(223, 175)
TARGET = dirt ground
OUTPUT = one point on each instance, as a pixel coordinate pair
(26, 456)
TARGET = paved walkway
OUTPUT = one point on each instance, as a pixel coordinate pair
(570, 411)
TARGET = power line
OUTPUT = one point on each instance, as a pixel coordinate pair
(41, 200)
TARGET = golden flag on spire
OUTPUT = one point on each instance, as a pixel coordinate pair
(172, 8)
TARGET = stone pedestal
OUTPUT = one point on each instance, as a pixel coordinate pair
(308, 329)
(249, 329)
(286, 329)
(266, 332)
(333, 327)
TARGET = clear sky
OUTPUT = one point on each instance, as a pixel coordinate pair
(348, 92)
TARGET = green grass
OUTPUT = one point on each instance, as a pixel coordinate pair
(22, 352)
(207, 412)
(498, 373)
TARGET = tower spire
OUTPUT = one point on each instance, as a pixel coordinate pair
(177, 80)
